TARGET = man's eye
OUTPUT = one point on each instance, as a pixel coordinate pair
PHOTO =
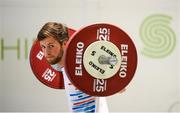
(51, 46)
(43, 47)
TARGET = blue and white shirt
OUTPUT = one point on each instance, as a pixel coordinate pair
(80, 101)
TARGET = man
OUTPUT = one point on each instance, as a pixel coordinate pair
(53, 38)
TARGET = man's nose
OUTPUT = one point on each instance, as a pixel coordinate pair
(47, 51)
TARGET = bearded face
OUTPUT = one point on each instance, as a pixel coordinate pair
(52, 49)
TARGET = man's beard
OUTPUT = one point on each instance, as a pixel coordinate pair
(56, 59)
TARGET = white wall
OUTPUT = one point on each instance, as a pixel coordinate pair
(155, 85)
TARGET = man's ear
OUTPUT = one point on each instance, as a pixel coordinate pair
(64, 44)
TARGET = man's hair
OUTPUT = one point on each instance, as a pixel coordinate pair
(55, 30)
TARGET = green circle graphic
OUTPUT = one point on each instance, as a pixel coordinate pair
(157, 36)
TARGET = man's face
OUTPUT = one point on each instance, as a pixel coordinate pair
(52, 50)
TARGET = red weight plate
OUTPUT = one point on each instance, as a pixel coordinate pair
(74, 59)
(42, 70)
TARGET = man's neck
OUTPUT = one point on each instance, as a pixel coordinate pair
(58, 66)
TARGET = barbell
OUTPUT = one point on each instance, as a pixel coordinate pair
(100, 60)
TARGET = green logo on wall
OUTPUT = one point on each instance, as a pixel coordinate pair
(20, 48)
(158, 37)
